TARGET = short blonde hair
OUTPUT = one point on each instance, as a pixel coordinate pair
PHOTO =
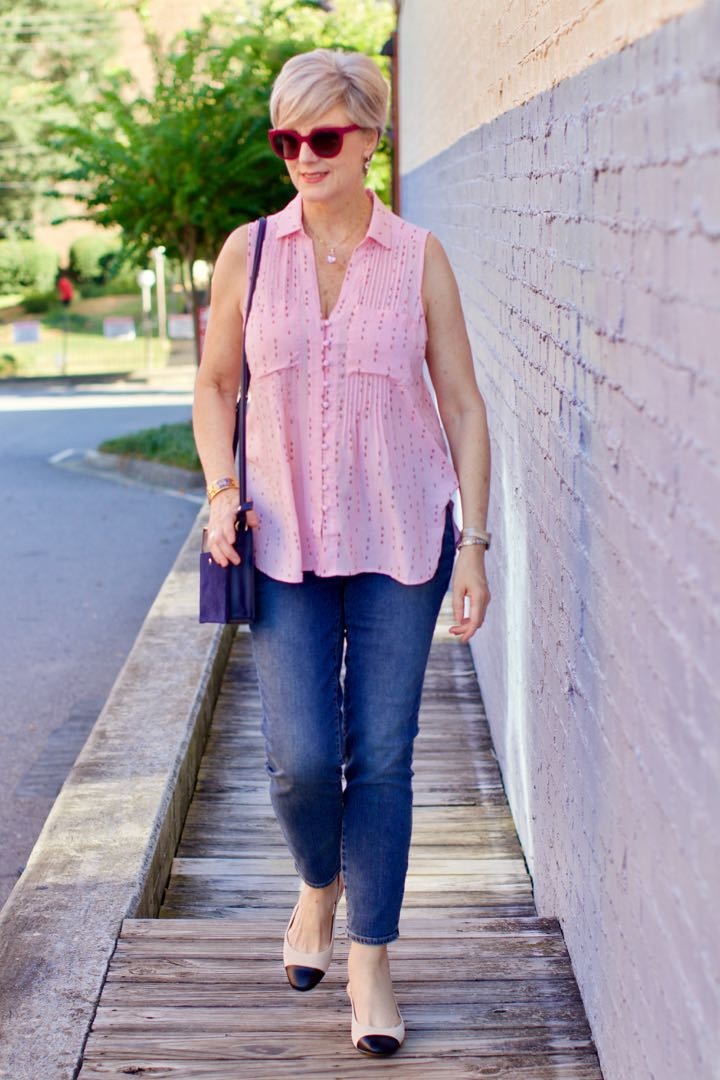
(312, 83)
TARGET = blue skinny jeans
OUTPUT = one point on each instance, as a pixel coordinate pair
(339, 750)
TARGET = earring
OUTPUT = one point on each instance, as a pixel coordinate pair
(366, 165)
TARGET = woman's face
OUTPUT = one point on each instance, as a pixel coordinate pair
(320, 179)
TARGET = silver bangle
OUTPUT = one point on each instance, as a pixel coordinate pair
(475, 536)
(472, 541)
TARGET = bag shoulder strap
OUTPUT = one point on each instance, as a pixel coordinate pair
(241, 407)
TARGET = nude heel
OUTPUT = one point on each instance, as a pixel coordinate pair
(305, 970)
(370, 1039)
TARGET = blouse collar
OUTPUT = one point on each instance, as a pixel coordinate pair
(289, 220)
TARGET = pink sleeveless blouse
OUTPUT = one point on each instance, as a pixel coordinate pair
(346, 460)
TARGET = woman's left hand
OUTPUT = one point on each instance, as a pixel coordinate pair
(469, 580)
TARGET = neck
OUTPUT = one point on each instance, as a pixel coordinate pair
(332, 218)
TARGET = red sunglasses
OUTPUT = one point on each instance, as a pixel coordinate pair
(324, 142)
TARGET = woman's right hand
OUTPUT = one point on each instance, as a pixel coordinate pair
(221, 526)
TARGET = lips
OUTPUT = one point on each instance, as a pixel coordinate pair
(313, 178)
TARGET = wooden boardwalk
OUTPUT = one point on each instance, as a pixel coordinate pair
(201, 991)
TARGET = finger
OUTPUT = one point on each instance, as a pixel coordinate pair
(458, 602)
(225, 555)
(221, 543)
(460, 631)
(229, 551)
(252, 519)
(479, 599)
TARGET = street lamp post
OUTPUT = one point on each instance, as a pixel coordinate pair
(146, 280)
(159, 257)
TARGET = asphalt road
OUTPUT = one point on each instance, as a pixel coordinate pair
(81, 560)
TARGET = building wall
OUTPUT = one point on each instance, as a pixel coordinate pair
(583, 223)
(494, 56)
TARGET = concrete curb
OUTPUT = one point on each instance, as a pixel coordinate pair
(150, 472)
(171, 373)
(137, 472)
(106, 849)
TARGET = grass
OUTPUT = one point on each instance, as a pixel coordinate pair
(86, 354)
(170, 444)
(10, 301)
(85, 351)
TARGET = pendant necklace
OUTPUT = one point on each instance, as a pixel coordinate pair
(332, 253)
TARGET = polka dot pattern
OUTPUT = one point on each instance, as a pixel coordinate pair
(346, 459)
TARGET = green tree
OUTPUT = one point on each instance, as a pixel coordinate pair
(184, 165)
(44, 45)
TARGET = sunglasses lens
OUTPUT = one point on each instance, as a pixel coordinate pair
(285, 146)
(326, 143)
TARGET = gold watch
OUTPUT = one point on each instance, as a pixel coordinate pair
(222, 484)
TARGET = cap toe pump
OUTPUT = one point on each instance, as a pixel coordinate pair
(305, 970)
(370, 1039)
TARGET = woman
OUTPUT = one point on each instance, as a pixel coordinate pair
(351, 482)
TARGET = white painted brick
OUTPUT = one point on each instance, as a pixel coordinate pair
(588, 257)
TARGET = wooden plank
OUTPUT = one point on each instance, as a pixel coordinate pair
(421, 866)
(467, 948)
(233, 1045)
(560, 991)
(553, 1065)
(171, 968)
(519, 1018)
(256, 922)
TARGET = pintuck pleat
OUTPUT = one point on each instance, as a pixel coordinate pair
(347, 463)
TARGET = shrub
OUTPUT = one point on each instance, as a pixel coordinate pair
(26, 265)
(170, 444)
(92, 258)
(8, 364)
(39, 303)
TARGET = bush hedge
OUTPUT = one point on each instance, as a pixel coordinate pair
(39, 303)
(26, 265)
(92, 258)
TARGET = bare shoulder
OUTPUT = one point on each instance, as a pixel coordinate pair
(230, 270)
(439, 286)
(233, 254)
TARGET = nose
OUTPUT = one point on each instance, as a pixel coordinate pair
(306, 155)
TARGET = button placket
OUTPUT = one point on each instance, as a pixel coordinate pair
(325, 403)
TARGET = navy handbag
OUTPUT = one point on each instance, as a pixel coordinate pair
(227, 593)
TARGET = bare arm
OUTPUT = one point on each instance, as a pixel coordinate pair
(216, 390)
(462, 411)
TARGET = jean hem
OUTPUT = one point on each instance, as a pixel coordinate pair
(363, 940)
(324, 884)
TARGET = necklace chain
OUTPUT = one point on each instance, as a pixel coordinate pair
(332, 253)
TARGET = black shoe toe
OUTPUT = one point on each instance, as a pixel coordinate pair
(378, 1044)
(303, 978)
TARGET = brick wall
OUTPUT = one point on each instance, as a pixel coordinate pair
(584, 228)
(464, 63)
